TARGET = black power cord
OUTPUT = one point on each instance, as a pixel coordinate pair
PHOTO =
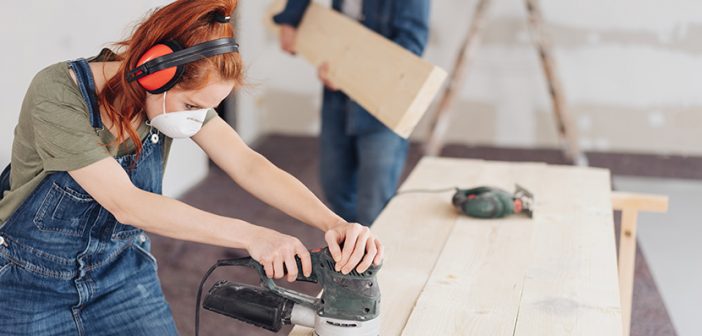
(199, 294)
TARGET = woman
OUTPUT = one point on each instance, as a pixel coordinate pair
(85, 181)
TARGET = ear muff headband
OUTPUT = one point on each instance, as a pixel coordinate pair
(159, 69)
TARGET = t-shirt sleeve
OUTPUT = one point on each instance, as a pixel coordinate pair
(64, 138)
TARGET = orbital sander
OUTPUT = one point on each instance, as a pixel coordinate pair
(349, 304)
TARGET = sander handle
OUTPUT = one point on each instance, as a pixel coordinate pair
(251, 263)
(303, 299)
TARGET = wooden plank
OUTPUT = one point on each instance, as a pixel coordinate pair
(571, 284)
(390, 82)
(414, 229)
(630, 204)
(564, 121)
(476, 285)
(514, 277)
(439, 121)
(568, 266)
(627, 264)
(639, 202)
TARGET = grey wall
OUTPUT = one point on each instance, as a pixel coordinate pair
(629, 68)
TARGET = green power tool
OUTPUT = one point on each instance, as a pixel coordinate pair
(490, 202)
(349, 305)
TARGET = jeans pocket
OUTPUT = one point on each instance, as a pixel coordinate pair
(5, 266)
(142, 245)
(125, 232)
(64, 210)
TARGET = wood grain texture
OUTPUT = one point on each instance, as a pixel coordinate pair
(630, 204)
(571, 284)
(639, 202)
(476, 286)
(446, 274)
(414, 228)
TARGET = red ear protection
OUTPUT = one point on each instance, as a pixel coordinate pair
(162, 80)
(162, 66)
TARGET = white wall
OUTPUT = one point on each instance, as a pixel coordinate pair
(630, 70)
(37, 33)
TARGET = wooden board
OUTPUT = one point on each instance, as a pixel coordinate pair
(630, 204)
(553, 275)
(478, 293)
(639, 202)
(390, 82)
(451, 275)
(571, 285)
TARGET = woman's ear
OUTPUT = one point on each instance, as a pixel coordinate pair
(153, 105)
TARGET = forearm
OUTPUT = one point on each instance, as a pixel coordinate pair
(292, 13)
(261, 178)
(171, 218)
(283, 191)
(411, 25)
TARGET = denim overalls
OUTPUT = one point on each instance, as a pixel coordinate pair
(67, 267)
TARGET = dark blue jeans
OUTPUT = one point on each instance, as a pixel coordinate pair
(359, 172)
(68, 267)
(361, 159)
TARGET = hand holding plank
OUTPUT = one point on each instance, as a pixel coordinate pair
(390, 82)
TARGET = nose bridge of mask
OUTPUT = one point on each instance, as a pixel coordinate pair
(197, 114)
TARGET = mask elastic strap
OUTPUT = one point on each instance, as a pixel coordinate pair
(164, 102)
(155, 135)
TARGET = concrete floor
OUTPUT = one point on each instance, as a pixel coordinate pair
(671, 243)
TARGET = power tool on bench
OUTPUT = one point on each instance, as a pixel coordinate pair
(349, 304)
(490, 202)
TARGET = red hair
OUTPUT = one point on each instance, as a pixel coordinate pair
(189, 22)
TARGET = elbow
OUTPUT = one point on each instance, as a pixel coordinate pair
(124, 208)
(414, 41)
(121, 215)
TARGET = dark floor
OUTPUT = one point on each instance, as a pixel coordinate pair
(182, 264)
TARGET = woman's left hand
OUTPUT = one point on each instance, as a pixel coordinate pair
(360, 247)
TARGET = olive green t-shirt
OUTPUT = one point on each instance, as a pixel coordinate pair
(54, 135)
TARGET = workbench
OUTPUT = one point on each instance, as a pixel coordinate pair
(447, 274)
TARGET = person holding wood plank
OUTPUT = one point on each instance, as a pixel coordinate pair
(361, 159)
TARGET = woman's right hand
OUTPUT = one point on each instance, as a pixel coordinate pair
(277, 251)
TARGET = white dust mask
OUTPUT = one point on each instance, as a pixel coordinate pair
(181, 124)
